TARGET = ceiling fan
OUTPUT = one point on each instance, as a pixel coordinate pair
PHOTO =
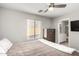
(51, 6)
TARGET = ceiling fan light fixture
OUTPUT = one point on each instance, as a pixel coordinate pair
(50, 8)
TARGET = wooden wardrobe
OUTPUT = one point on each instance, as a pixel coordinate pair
(49, 34)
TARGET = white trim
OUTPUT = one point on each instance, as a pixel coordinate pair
(58, 46)
(68, 19)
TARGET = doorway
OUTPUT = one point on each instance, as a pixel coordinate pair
(64, 29)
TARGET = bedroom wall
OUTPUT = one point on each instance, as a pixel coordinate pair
(13, 24)
(74, 36)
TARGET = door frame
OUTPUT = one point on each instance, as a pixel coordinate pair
(67, 19)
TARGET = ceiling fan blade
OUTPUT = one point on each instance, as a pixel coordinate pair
(60, 6)
(51, 3)
(45, 10)
(40, 11)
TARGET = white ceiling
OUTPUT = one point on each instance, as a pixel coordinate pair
(34, 7)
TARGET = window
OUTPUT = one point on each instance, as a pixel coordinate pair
(33, 29)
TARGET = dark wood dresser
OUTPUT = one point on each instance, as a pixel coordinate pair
(49, 34)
